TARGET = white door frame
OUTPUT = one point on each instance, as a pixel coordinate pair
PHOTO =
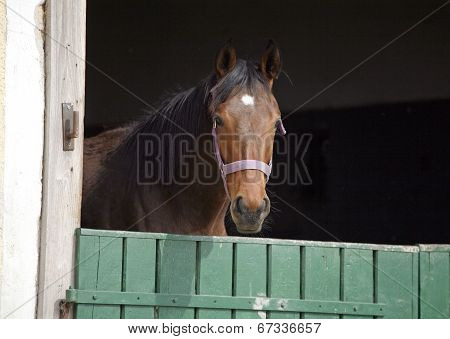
(65, 43)
(22, 105)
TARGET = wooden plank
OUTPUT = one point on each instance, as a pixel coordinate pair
(215, 275)
(415, 284)
(321, 277)
(241, 240)
(357, 277)
(139, 274)
(220, 302)
(109, 277)
(395, 285)
(434, 285)
(176, 274)
(62, 171)
(86, 271)
(434, 248)
(250, 262)
(284, 277)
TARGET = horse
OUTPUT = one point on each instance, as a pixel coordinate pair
(225, 128)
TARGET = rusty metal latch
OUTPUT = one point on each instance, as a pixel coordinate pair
(64, 309)
(70, 120)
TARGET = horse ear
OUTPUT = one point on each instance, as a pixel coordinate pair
(225, 60)
(270, 64)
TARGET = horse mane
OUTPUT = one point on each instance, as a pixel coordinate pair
(187, 111)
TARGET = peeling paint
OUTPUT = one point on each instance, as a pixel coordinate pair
(260, 302)
(262, 314)
(265, 241)
(282, 304)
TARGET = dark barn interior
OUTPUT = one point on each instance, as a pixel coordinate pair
(376, 101)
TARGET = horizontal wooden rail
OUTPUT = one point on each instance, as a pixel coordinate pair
(244, 240)
(223, 302)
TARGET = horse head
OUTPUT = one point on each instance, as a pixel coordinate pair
(244, 125)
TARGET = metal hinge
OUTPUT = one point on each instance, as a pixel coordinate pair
(64, 309)
(70, 126)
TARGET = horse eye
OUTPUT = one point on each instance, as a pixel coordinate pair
(218, 121)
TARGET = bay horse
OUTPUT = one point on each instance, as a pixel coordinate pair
(230, 118)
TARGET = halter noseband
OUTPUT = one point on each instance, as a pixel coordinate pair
(241, 165)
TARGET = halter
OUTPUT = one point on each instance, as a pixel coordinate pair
(241, 165)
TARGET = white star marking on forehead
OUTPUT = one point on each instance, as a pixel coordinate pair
(248, 100)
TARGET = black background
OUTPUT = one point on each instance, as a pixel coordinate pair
(380, 154)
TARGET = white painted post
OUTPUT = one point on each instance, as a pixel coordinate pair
(62, 182)
(21, 156)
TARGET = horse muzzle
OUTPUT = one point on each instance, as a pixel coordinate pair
(249, 216)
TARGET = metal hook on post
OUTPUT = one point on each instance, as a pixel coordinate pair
(70, 119)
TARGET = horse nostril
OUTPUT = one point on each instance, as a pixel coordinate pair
(266, 203)
(239, 205)
(261, 207)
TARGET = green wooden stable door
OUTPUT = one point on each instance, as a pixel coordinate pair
(150, 275)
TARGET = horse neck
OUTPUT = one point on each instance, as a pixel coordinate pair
(205, 206)
(206, 202)
(200, 206)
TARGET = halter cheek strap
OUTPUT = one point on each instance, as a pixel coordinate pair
(241, 165)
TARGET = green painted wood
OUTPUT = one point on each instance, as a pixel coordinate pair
(139, 274)
(242, 240)
(321, 277)
(167, 276)
(434, 248)
(221, 302)
(214, 276)
(109, 276)
(395, 283)
(434, 285)
(176, 274)
(357, 280)
(86, 271)
(415, 283)
(283, 277)
(250, 265)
